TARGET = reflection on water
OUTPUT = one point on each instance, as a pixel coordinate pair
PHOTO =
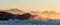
(28, 22)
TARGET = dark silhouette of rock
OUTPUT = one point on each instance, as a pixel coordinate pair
(25, 16)
(6, 15)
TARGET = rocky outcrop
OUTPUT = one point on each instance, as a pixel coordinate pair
(6, 16)
(24, 16)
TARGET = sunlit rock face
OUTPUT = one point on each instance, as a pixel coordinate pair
(45, 15)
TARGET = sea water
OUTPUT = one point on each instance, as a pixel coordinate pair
(28, 22)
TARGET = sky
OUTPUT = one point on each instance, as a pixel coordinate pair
(31, 5)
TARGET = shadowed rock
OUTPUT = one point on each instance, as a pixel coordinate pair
(6, 15)
(25, 16)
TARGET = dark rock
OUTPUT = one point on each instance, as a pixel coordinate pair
(25, 16)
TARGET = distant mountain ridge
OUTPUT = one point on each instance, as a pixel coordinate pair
(40, 15)
(15, 11)
(47, 14)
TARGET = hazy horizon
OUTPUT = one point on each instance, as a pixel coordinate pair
(34, 5)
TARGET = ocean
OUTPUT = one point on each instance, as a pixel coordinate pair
(29, 22)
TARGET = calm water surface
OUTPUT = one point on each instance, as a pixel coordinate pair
(28, 22)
